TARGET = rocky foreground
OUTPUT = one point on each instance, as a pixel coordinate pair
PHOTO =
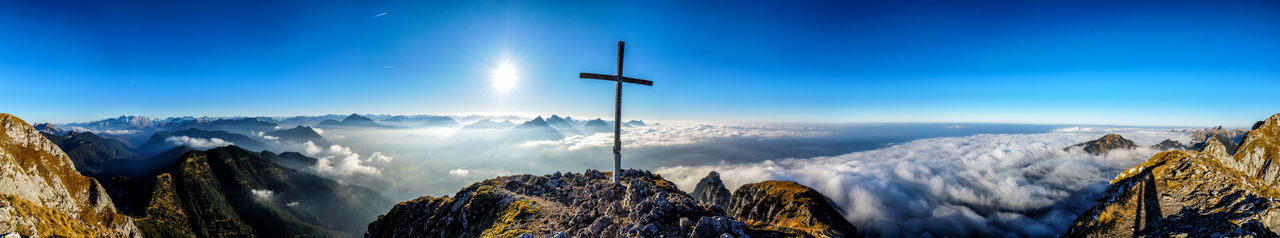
(1206, 193)
(589, 205)
(42, 195)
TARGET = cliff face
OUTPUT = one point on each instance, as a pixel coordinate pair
(1106, 143)
(790, 208)
(710, 190)
(578, 205)
(41, 194)
(1194, 193)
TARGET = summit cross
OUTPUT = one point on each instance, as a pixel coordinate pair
(617, 109)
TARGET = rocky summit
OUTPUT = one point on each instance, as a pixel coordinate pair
(710, 190)
(789, 208)
(1106, 143)
(1206, 193)
(42, 195)
(559, 205)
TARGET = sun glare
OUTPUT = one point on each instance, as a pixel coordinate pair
(504, 77)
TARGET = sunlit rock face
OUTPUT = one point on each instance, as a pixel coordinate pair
(790, 208)
(558, 205)
(1196, 193)
(711, 190)
(41, 194)
(1107, 143)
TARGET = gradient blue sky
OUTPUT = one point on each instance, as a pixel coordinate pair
(1092, 62)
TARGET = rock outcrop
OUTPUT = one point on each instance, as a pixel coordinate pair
(559, 205)
(1196, 193)
(710, 190)
(41, 194)
(789, 208)
(1106, 143)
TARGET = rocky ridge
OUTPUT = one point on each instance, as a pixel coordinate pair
(558, 205)
(790, 208)
(41, 194)
(1199, 193)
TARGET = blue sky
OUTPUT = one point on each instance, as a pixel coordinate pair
(1119, 63)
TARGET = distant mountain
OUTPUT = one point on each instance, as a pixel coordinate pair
(160, 140)
(635, 123)
(489, 124)
(1168, 144)
(563, 126)
(420, 121)
(597, 126)
(230, 191)
(354, 120)
(300, 134)
(1201, 135)
(1194, 193)
(536, 129)
(49, 129)
(1107, 143)
(122, 122)
(1229, 144)
(240, 125)
(42, 195)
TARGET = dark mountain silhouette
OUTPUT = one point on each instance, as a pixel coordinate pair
(536, 129)
(158, 144)
(230, 191)
(420, 121)
(92, 154)
(597, 126)
(240, 125)
(300, 134)
(354, 120)
(563, 126)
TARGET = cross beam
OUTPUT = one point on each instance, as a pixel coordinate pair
(617, 109)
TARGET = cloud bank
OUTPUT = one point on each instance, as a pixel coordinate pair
(197, 143)
(666, 135)
(980, 185)
(338, 160)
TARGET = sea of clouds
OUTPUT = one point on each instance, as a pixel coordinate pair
(979, 185)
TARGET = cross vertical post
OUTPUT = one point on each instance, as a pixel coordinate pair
(617, 107)
(617, 121)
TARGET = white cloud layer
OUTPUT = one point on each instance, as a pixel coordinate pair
(665, 135)
(339, 160)
(263, 195)
(980, 185)
(197, 143)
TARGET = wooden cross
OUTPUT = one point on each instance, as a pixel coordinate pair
(617, 109)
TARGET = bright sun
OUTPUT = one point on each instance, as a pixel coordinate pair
(504, 77)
